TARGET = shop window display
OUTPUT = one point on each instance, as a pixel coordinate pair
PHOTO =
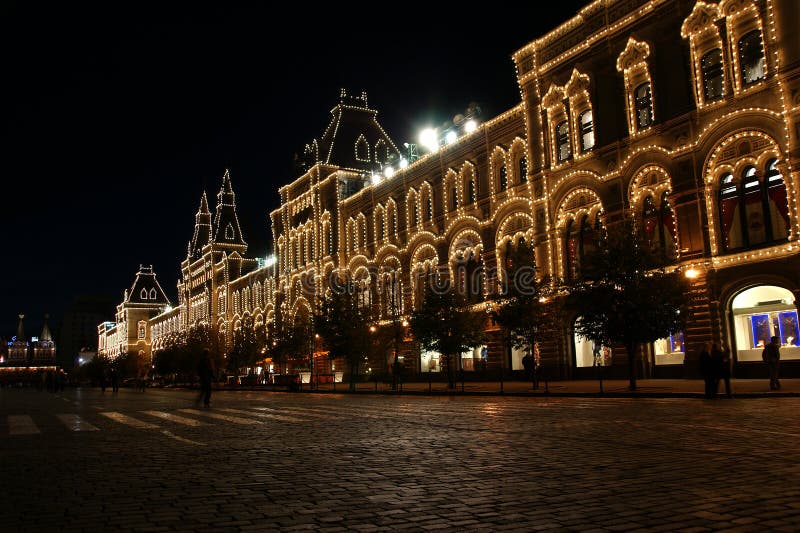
(758, 314)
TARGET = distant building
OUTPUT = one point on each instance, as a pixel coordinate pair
(130, 332)
(38, 351)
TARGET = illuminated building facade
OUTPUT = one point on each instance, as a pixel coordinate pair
(220, 286)
(682, 114)
(685, 116)
(130, 332)
(36, 352)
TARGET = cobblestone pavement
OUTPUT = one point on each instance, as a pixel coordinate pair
(153, 461)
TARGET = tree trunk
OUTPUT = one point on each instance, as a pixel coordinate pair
(451, 382)
(353, 374)
(632, 350)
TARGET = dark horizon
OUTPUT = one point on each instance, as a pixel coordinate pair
(120, 116)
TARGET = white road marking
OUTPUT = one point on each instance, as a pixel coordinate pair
(283, 418)
(181, 439)
(76, 423)
(21, 425)
(176, 418)
(234, 419)
(128, 421)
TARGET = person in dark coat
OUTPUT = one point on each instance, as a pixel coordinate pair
(719, 362)
(114, 380)
(707, 371)
(205, 371)
(772, 356)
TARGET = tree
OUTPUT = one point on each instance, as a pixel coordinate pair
(628, 297)
(286, 340)
(445, 324)
(202, 336)
(248, 343)
(344, 327)
(523, 307)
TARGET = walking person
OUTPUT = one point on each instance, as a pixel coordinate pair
(205, 371)
(772, 356)
(725, 369)
(114, 381)
(527, 364)
(707, 371)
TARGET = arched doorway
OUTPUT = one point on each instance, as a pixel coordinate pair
(760, 312)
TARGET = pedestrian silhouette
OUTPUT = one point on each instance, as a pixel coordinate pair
(772, 356)
(707, 371)
(114, 381)
(719, 362)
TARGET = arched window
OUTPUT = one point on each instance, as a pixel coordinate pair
(760, 313)
(644, 105)
(777, 202)
(427, 207)
(523, 169)
(362, 149)
(471, 192)
(586, 121)
(754, 211)
(572, 252)
(143, 294)
(562, 141)
(753, 208)
(751, 58)
(658, 226)
(581, 240)
(730, 217)
(713, 74)
(229, 231)
(469, 275)
(381, 152)
(153, 294)
(503, 178)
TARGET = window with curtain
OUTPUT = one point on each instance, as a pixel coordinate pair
(754, 211)
(587, 130)
(752, 62)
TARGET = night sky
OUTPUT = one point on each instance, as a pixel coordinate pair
(118, 115)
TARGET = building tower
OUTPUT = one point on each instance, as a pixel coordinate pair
(44, 351)
(18, 352)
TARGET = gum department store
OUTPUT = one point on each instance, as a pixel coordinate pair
(684, 114)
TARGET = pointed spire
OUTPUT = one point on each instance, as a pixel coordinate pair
(202, 229)
(20, 329)
(203, 205)
(46, 335)
(226, 222)
(226, 182)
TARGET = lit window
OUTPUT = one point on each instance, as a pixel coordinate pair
(713, 77)
(562, 141)
(587, 130)
(644, 105)
(751, 57)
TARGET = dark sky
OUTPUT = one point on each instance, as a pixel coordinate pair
(116, 116)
